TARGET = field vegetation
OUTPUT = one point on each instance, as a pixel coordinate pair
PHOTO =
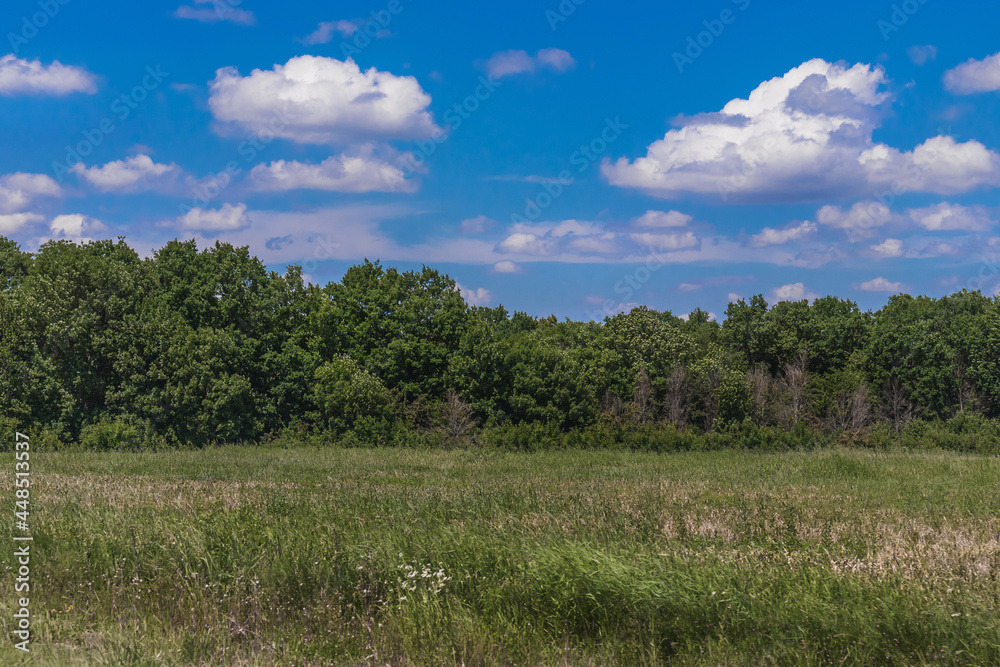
(316, 556)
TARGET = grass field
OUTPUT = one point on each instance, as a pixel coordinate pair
(404, 557)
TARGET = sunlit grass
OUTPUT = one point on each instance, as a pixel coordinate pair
(330, 556)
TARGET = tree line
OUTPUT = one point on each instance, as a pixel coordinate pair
(102, 348)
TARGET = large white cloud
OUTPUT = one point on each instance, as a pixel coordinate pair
(23, 77)
(801, 136)
(18, 191)
(312, 99)
(138, 171)
(974, 76)
(363, 172)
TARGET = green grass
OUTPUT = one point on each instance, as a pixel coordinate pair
(300, 556)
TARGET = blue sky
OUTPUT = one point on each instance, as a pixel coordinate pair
(565, 158)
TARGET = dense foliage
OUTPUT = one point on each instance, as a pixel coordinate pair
(101, 347)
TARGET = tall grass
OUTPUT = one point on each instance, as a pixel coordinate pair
(329, 556)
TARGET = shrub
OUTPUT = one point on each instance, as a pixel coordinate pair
(111, 435)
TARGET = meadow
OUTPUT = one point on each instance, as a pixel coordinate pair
(317, 556)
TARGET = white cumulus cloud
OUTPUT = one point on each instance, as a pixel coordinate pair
(889, 248)
(132, 173)
(861, 217)
(974, 76)
(13, 222)
(74, 227)
(880, 284)
(228, 217)
(312, 99)
(19, 190)
(793, 292)
(506, 266)
(801, 136)
(769, 236)
(951, 217)
(23, 77)
(663, 219)
(363, 172)
(475, 297)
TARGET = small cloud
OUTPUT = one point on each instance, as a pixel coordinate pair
(555, 59)
(228, 218)
(974, 76)
(279, 242)
(793, 292)
(734, 297)
(889, 248)
(358, 173)
(324, 31)
(23, 77)
(666, 242)
(221, 11)
(476, 297)
(476, 225)
(921, 55)
(859, 220)
(74, 226)
(506, 266)
(688, 287)
(880, 284)
(663, 219)
(951, 217)
(125, 174)
(508, 63)
(769, 236)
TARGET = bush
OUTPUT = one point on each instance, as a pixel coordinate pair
(111, 435)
